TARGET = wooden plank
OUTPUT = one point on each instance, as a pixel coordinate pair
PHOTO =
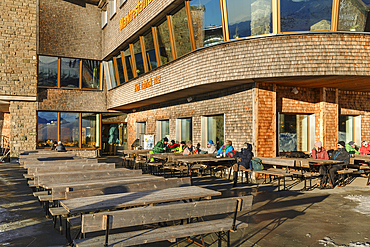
(59, 190)
(42, 178)
(58, 211)
(130, 187)
(71, 167)
(130, 199)
(150, 215)
(59, 162)
(40, 193)
(160, 234)
(29, 176)
(45, 198)
(277, 161)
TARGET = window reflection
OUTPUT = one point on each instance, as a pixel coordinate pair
(128, 63)
(207, 25)
(164, 43)
(353, 16)
(215, 127)
(150, 51)
(112, 73)
(47, 129)
(70, 72)
(90, 73)
(186, 129)
(249, 17)
(120, 69)
(181, 32)
(69, 129)
(138, 58)
(48, 71)
(89, 129)
(293, 133)
(309, 15)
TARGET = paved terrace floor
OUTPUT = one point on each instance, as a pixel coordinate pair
(337, 217)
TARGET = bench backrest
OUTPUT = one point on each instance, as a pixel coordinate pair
(156, 214)
(129, 187)
(71, 167)
(64, 177)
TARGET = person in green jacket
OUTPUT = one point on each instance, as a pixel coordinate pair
(351, 148)
(160, 147)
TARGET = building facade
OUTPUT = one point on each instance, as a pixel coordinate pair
(279, 74)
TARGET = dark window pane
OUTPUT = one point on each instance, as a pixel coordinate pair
(112, 73)
(47, 129)
(150, 51)
(70, 72)
(207, 25)
(48, 71)
(293, 133)
(138, 58)
(249, 17)
(120, 70)
(164, 43)
(309, 15)
(181, 32)
(353, 16)
(69, 129)
(90, 73)
(89, 129)
(128, 63)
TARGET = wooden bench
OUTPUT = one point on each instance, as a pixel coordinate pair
(301, 174)
(344, 176)
(70, 167)
(278, 174)
(59, 162)
(167, 213)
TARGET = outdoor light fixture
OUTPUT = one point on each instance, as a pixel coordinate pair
(189, 99)
(295, 91)
(133, 110)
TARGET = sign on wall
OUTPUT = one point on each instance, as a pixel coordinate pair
(147, 83)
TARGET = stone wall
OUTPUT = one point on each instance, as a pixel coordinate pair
(22, 126)
(18, 48)
(70, 29)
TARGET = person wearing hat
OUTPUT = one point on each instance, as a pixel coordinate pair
(243, 159)
(210, 149)
(340, 154)
(351, 148)
(189, 149)
(319, 152)
(60, 147)
(365, 148)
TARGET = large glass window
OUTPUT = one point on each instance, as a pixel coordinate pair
(112, 73)
(48, 71)
(294, 133)
(47, 126)
(163, 129)
(249, 17)
(138, 58)
(213, 129)
(120, 69)
(353, 16)
(90, 74)
(150, 51)
(184, 129)
(140, 132)
(181, 32)
(89, 131)
(349, 129)
(207, 24)
(69, 129)
(128, 61)
(164, 43)
(70, 72)
(308, 15)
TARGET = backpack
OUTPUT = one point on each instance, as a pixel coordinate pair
(231, 154)
(256, 164)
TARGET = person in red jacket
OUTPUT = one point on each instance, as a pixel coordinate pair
(319, 152)
(365, 148)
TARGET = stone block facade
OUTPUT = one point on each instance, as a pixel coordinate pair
(69, 29)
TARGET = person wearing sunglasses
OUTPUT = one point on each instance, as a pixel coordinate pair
(365, 148)
(340, 154)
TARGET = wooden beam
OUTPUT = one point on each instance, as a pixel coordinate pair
(172, 38)
(143, 53)
(123, 58)
(133, 61)
(156, 46)
(190, 25)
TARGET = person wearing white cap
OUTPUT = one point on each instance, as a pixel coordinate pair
(365, 148)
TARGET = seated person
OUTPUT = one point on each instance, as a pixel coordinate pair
(173, 145)
(365, 148)
(161, 146)
(60, 147)
(189, 149)
(339, 154)
(352, 148)
(210, 149)
(54, 145)
(225, 148)
(180, 148)
(197, 149)
(243, 160)
(319, 152)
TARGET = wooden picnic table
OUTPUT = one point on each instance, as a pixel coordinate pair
(136, 152)
(143, 198)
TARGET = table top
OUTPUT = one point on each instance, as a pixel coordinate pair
(195, 159)
(122, 200)
(142, 151)
(361, 157)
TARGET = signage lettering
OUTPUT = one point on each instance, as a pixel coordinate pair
(147, 83)
(133, 13)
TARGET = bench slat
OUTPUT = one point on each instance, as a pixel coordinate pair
(70, 167)
(58, 211)
(149, 215)
(161, 234)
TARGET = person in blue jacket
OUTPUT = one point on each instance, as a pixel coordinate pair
(225, 148)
